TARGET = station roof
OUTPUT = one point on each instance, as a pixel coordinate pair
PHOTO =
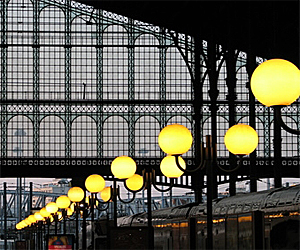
(268, 28)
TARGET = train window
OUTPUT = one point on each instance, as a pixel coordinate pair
(245, 231)
(231, 232)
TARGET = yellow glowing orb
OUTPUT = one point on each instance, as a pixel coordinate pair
(169, 167)
(123, 167)
(135, 182)
(106, 194)
(276, 82)
(175, 139)
(241, 139)
(94, 183)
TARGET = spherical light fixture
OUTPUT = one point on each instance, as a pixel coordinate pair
(38, 216)
(135, 182)
(76, 194)
(94, 183)
(22, 224)
(31, 218)
(169, 167)
(63, 201)
(44, 212)
(241, 139)
(106, 194)
(52, 207)
(175, 139)
(27, 221)
(123, 167)
(276, 82)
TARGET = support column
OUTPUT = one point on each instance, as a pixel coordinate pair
(213, 94)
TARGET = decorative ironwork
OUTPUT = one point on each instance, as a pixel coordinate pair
(93, 84)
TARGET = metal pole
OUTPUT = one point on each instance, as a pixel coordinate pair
(77, 228)
(5, 215)
(92, 220)
(30, 196)
(210, 186)
(149, 212)
(114, 192)
(84, 226)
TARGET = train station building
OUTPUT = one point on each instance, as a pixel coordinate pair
(150, 116)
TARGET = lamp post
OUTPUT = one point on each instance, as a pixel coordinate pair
(275, 83)
(63, 202)
(94, 184)
(76, 194)
(176, 140)
(52, 208)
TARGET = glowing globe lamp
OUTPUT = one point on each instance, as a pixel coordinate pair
(135, 182)
(52, 207)
(175, 139)
(241, 139)
(44, 212)
(27, 221)
(38, 216)
(276, 82)
(169, 167)
(106, 194)
(22, 224)
(94, 183)
(76, 194)
(123, 167)
(31, 218)
(63, 201)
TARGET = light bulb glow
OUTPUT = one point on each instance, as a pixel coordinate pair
(44, 212)
(123, 167)
(31, 218)
(106, 194)
(169, 167)
(63, 201)
(175, 139)
(51, 207)
(135, 182)
(76, 194)
(276, 82)
(38, 216)
(94, 183)
(241, 139)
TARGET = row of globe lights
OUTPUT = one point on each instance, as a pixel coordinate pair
(50, 211)
(124, 167)
(274, 83)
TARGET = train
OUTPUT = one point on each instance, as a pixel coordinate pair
(258, 220)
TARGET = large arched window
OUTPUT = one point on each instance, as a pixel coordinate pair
(115, 63)
(52, 137)
(20, 58)
(83, 59)
(178, 79)
(146, 70)
(115, 137)
(20, 137)
(146, 133)
(52, 54)
(84, 137)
